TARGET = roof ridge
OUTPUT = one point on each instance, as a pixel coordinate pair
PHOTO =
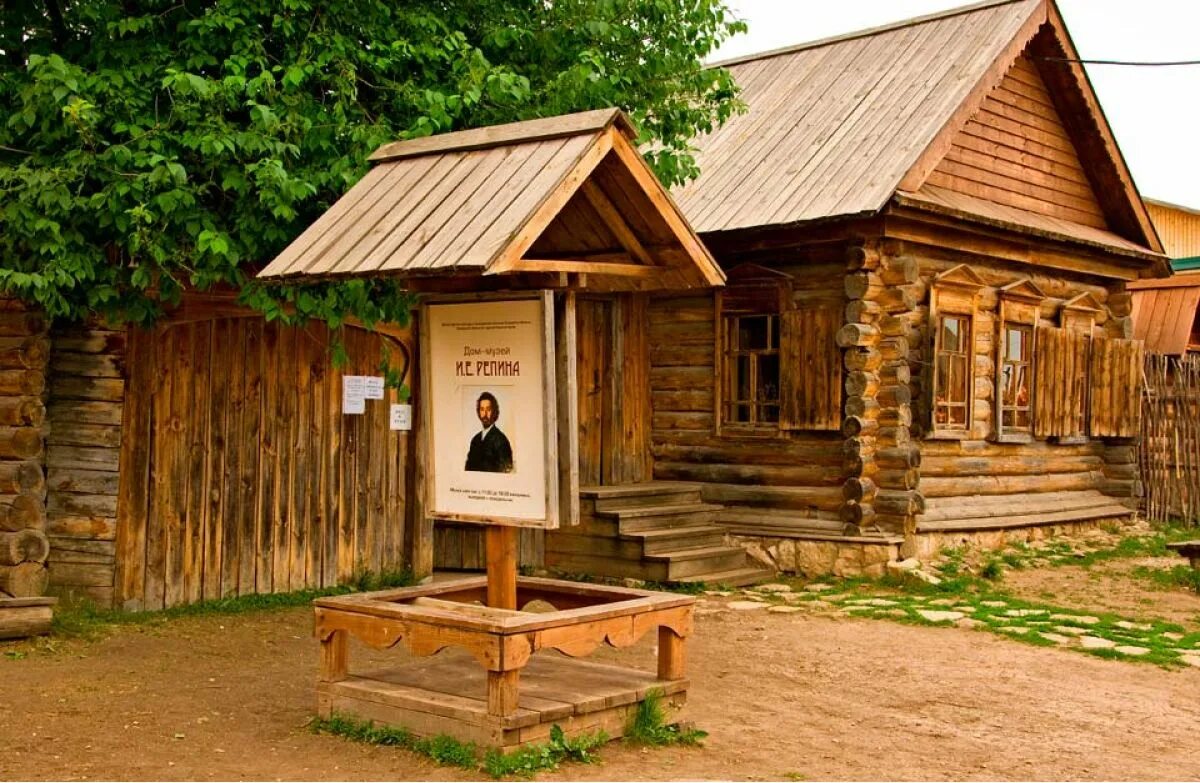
(520, 132)
(865, 32)
(1171, 205)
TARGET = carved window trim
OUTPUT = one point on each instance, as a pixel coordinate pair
(751, 291)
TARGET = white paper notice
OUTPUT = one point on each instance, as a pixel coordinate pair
(372, 387)
(401, 418)
(353, 394)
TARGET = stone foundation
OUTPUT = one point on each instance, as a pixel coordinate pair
(928, 545)
(813, 557)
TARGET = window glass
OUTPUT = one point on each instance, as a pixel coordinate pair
(952, 373)
(751, 370)
(1015, 378)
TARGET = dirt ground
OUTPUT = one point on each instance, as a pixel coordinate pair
(783, 697)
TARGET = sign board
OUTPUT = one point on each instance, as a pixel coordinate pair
(357, 388)
(400, 416)
(490, 400)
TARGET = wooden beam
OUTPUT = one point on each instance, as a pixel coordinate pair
(586, 267)
(502, 567)
(552, 205)
(700, 258)
(541, 129)
(616, 222)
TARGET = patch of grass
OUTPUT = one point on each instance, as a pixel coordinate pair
(525, 761)
(1153, 545)
(530, 759)
(648, 726)
(442, 749)
(85, 620)
(1016, 560)
(1170, 578)
(687, 588)
(993, 571)
(996, 611)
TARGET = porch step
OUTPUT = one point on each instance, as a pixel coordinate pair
(657, 531)
(655, 517)
(625, 496)
(671, 539)
(701, 561)
(738, 577)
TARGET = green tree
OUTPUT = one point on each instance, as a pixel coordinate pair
(149, 146)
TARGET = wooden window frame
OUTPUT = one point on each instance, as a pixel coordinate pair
(954, 294)
(1014, 433)
(968, 357)
(1020, 306)
(1079, 314)
(751, 291)
(731, 353)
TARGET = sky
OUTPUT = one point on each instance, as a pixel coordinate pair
(1154, 112)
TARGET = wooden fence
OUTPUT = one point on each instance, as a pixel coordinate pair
(1170, 453)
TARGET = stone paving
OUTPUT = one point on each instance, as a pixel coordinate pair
(1105, 635)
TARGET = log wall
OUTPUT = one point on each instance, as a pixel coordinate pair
(87, 394)
(799, 474)
(24, 547)
(975, 477)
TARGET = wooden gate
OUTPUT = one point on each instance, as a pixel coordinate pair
(240, 474)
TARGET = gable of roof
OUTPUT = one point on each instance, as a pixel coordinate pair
(837, 128)
(1015, 151)
(554, 195)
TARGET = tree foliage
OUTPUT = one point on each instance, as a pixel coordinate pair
(149, 146)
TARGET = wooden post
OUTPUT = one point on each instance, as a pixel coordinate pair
(501, 567)
(672, 656)
(502, 689)
(335, 657)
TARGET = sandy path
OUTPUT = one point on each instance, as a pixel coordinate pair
(822, 698)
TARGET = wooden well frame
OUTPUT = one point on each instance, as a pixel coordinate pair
(429, 697)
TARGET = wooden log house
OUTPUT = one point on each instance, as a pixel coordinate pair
(916, 331)
(946, 195)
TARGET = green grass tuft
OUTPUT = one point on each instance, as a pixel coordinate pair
(525, 761)
(442, 749)
(530, 759)
(1171, 578)
(648, 726)
(993, 571)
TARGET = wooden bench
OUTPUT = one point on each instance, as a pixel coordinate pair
(1188, 549)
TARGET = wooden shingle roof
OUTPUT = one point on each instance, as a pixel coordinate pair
(555, 195)
(833, 126)
(846, 126)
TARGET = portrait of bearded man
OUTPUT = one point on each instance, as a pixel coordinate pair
(490, 451)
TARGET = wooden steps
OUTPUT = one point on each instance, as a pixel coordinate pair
(658, 532)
